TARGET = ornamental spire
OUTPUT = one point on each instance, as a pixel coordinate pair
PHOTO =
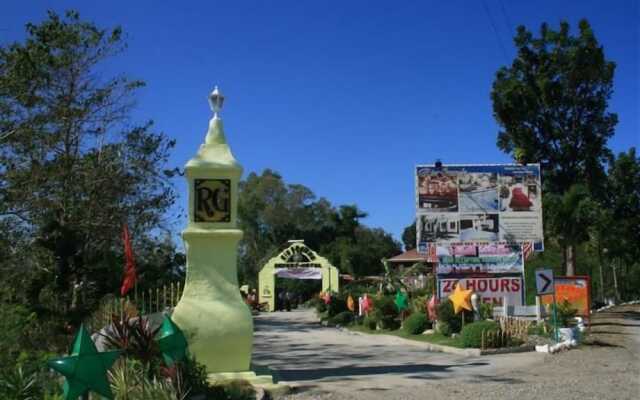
(215, 134)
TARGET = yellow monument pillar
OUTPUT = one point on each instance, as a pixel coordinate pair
(217, 323)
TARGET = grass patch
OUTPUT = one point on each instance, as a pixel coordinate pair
(436, 338)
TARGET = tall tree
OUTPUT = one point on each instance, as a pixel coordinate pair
(409, 238)
(271, 212)
(73, 167)
(569, 218)
(551, 106)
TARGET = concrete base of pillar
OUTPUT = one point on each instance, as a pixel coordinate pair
(263, 379)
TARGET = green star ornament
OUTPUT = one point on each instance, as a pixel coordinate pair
(401, 301)
(171, 341)
(85, 368)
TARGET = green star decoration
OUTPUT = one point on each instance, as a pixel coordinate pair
(401, 301)
(85, 368)
(171, 341)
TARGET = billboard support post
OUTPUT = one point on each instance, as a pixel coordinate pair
(555, 318)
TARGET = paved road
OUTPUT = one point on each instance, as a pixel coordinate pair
(318, 359)
(325, 363)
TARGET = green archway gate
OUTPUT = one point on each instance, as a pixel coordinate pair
(296, 261)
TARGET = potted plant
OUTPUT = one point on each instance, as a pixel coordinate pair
(567, 322)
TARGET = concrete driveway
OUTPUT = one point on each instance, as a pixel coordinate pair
(317, 359)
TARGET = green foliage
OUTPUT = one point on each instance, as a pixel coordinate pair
(409, 238)
(454, 322)
(135, 337)
(271, 212)
(17, 385)
(16, 322)
(385, 312)
(568, 218)
(319, 305)
(74, 144)
(552, 100)
(129, 381)
(444, 328)
(416, 323)
(370, 322)
(33, 381)
(472, 333)
(539, 329)
(337, 305)
(419, 304)
(344, 318)
(486, 311)
(234, 390)
(566, 314)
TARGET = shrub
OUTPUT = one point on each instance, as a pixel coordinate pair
(444, 328)
(486, 311)
(344, 318)
(336, 306)
(385, 312)
(472, 334)
(320, 306)
(566, 314)
(419, 304)
(16, 384)
(416, 323)
(369, 322)
(539, 329)
(446, 314)
(235, 390)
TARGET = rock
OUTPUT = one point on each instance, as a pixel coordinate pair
(261, 394)
(542, 348)
(454, 335)
(429, 332)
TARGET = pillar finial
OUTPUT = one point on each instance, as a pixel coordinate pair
(216, 99)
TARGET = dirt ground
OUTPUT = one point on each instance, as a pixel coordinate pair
(325, 363)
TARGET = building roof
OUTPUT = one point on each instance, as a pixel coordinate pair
(409, 256)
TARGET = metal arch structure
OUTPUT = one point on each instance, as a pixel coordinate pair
(296, 261)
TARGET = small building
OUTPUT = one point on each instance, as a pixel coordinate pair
(403, 262)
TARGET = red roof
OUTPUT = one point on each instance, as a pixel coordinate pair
(409, 256)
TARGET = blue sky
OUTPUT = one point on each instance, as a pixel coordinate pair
(344, 97)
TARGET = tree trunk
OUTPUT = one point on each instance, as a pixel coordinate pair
(601, 282)
(615, 281)
(570, 260)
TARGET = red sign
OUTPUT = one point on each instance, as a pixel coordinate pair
(574, 289)
(490, 290)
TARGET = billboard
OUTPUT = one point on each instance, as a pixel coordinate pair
(493, 258)
(490, 289)
(478, 204)
(574, 289)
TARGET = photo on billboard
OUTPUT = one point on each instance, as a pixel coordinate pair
(437, 191)
(441, 227)
(479, 227)
(490, 202)
(519, 192)
(478, 192)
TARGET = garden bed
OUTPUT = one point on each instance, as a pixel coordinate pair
(440, 343)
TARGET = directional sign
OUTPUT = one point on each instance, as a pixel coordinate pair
(544, 281)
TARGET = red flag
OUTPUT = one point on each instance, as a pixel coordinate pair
(527, 250)
(129, 277)
(432, 308)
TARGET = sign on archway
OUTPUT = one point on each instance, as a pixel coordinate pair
(296, 261)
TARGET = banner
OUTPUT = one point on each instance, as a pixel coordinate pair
(490, 290)
(574, 289)
(495, 258)
(298, 273)
(479, 203)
